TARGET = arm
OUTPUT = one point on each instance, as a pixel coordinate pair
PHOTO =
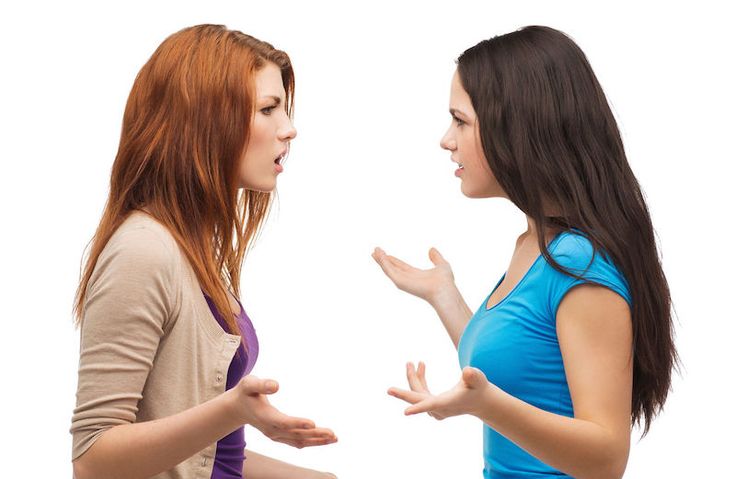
(126, 311)
(594, 330)
(453, 311)
(141, 450)
(258, 466)
(435, 285)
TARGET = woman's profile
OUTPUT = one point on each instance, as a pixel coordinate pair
(166, 347)
(574, 344)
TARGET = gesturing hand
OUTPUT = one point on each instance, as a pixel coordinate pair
(465, 398)
(256, 410)
(427, 284)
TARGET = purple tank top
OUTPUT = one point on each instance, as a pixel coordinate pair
(230, 453)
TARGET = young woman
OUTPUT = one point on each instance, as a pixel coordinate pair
(163, 386)
(574, 344)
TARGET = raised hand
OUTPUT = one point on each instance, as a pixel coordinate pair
(428, 284)
(255, 409)
(466, 397)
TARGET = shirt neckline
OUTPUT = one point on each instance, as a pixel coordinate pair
(521, 281)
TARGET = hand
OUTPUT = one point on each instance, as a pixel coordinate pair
(428, 284)
(466, 397)
(255, 409)
(317, 475)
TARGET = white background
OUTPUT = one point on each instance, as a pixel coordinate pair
(366, 169)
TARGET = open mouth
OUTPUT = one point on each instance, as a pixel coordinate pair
(280, 159)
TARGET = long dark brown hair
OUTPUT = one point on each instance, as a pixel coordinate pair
(550, 138)
(185, 130)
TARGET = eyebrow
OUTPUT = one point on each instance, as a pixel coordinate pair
(455, 112)
(272, 97)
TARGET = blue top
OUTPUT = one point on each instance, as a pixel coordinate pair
(515, 344)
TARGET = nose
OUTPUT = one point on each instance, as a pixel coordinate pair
(287, 132)
(447, 142)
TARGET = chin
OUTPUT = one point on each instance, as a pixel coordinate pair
(262, 187)
(470, 193)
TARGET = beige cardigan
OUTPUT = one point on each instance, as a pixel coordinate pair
(149, 347)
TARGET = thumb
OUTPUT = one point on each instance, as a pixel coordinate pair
(474, 378)
(435, 257)
(254, 385)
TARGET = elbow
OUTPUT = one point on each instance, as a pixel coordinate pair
(617, 463)
(610, 464)
(612, 467)
(618, 467)
(81, 469)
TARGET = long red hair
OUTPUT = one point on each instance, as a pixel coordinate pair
(185, 130)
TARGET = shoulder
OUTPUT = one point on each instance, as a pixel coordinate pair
(141, 238)
(574, 251)
(140, 247)
(140, 264)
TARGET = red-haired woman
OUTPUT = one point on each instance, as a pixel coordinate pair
(166, 347)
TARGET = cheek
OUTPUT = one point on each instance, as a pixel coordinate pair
(473, 152)
(258, 135)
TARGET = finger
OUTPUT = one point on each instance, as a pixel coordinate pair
(408, 396)
(436, 258)
(428, 406)
(381, 258)
(421, 369)
(284, 422)
(254, 385)
(318, 432)
(318, 442)
(411, 376)
(398, 264)
(299, 444)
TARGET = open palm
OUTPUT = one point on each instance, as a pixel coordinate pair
(465, 398)
(423, 283)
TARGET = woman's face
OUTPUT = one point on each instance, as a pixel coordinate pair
(463, 142)
(271, 131)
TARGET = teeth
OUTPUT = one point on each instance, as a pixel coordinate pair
(461, 166)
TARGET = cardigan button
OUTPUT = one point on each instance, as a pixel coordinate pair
(219, 378)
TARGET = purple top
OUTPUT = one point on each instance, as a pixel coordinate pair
(230, 453)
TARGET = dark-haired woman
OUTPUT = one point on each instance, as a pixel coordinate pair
(574, 344)
(166, 347)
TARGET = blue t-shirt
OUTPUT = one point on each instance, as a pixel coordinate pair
(515, 344)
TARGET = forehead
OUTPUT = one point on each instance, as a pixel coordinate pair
(458, 95)
(269, 82)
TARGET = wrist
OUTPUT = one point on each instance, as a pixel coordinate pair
(486, 402)
(444, 297)
(234, 404)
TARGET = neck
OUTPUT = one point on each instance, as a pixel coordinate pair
(532, 229)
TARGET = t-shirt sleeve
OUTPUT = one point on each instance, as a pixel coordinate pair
(574, 252)
(130, 299)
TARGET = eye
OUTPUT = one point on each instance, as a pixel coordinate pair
(268, 110)
(458, 121)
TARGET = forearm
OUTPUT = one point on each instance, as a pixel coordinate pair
(580, 448)
(142, 450)
(453, 312)
(258, 466)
